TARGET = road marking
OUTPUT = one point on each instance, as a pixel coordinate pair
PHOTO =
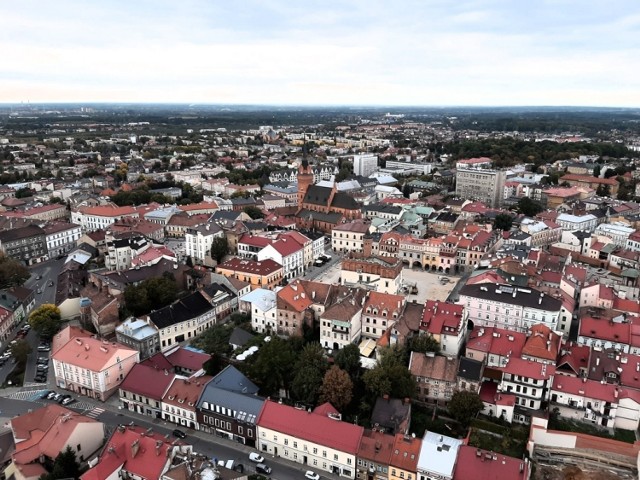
(95, 413)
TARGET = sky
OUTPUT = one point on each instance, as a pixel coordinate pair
(304, 52)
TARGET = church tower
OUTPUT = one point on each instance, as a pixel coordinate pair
(305, 179)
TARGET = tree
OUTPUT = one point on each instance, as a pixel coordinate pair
(46, 320)
(337, 388)
(310, 369)
(254, 212)
(423, 344)
(529, 207)
(596, 170)
(503, 221)
(20, 351)
(390, 375)
(603, 190)
(271, 368)
(12, 272)
(151, 294)
(348, 359)
(64, 466)
(219, 248)
(464, 406)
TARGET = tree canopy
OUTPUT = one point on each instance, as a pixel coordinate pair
(254, 212)
(219, 248)
(390, 375)
(272, 366)
(21, 350)
(348, 359)
(46, 320)
(12, 272)
(464, 406)
(337, 388)
(503, 221)
(310, 370)
(65, 466)
(529, 207)
(150, 294)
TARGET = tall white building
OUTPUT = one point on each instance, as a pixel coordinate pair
(198, 241)
(365, 164)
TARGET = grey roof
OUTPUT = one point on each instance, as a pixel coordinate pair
(246, 408)
(232, 380)
(322, 217)
(184, 309)
(390, 413)
(20, 233)
(239, 337)
(524, 297)
(470, 369)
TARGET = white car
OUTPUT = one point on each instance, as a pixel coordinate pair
(311, 475)
(255, 457)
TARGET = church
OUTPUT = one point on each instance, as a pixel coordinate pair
(322, 208)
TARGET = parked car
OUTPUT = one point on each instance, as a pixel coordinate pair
(57, 396)
(42, 361)
(5, 355)
(179, 433)
(45, 394)
(40, 379)
(42, 368)
(256, 457)
(50, 283)
(63, 398)
(68, 401)
(44, 348)
(262, 468)
(311, 475)
(51, 395)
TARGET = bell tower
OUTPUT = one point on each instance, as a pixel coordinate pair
(305, 178)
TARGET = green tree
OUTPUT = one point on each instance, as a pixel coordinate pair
(215, 340)
(529, 207)
(12, 272)
(271, 368)
(65, 466)
(21, 350)
(254, 212)
(219, 248)
(310, 369)
(596, 170)
(151, 294)
(337, 388)
(603, 190)
(348, 359)
(46, 320)
(390, 375)
(423, 344)
(503, 221)
(464, 406)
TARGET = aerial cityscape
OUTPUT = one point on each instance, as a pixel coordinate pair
(364, 241)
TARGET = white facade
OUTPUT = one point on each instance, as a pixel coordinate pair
(365, 164)
(198, 243)
(618, 233)
(506, 311)
(62, 241)
(292, 264)
(570, 222)
(337, 334)
(318, 457)
(263, 307)
(188, 329)
(347, 241)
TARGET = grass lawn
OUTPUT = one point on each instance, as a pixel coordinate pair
(565, 425)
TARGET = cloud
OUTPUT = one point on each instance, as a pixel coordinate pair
(407, 52)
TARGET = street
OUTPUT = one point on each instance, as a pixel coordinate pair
(49, 272)
(107, 413)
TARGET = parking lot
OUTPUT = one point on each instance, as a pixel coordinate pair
(429, 285)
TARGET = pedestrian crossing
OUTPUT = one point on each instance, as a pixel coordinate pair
(94, 413)
(25, 395)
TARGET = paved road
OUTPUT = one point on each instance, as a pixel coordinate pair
(315, 272)
(49, 272)
(206, 444)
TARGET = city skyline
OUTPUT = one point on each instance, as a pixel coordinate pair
(432, 53)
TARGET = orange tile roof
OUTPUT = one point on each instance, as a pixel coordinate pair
(91, 353)
(295, 296)
(405, 453)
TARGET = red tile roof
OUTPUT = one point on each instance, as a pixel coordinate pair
(441, 318)
(188, 359)
(542, 343)
(319, 429)
(93, 354)
(147, 381)
(605, 330)
(496, 341)
(406, 451)
(184, 392)
(149, 459)
(476, 464)
(529, 369)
